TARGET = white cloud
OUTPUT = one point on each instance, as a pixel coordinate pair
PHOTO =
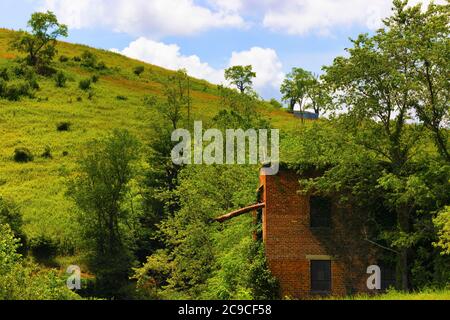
(300, 17)
(159, 18)
(169, 56)
(151, 18)
(265, 62)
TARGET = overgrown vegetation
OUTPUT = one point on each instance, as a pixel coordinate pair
(107, 196)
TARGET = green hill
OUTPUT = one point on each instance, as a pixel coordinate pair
(38, 187)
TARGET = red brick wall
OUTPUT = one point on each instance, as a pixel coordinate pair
(289, 240)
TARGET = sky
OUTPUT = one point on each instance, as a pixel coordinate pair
(207, 36)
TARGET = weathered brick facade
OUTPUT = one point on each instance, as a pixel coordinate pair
(291, 244)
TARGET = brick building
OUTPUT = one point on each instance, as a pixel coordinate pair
(312, 246)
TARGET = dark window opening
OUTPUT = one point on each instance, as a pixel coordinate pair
(321, 276)
(320, 212)
(388, 276)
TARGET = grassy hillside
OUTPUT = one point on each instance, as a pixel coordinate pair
(38, 187)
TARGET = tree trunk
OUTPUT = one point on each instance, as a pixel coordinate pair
(441, 145)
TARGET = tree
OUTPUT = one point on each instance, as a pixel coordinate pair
(375, 86)
(442, 222)
(20, 280)
(203, 260)
(426, 38)
(319, 98)
(40, 43)
(295, 88)
(100, 191)
(161, 177)
(177, 92)
(241, 77)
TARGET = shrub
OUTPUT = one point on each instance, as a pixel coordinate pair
(76, 59)
(2, 88)
(31, 77)
(79, 99)
(85, 84)
(4, 74)
(65, 153)
(88, 59)
(60, 79)
(91, 94)
(63, 126)
(101, 66)
(95, 78)
(47, 154)
(138, 70)
(10, 214)
(150, 101)
(20, 280)
(63, 58)
(33, 84)
(276, 103)
(23, 155)
(121, 98)
(43, 248)
(14, 91)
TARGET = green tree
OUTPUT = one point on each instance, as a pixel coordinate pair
(241, 77)
(375, 85)
(295, 88)
(101, 191)
(442, 222)
(20, 280)
(202, 259)
(319, 97)
(178, 99)
(425, 37)
(40, 43)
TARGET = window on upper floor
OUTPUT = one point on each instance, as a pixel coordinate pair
(320, 212)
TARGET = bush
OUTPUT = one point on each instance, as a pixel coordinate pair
(63, 58)
(138, 70)
(150, 101)
(43, 248)
(20, 280)
(88, 59)
(23, 155)
(31, 77)
(95, 78)
(2, 88)
(121, 98)
(85, 84)
(101, 66)
(4, 74)
(63, 126)
(76, 59)
(60, 79)
(10, 215)
(47, 154)
(15, 91)
(34, 84)
(276, 103)
(79, 99)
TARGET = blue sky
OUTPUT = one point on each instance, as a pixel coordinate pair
(207, 36)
